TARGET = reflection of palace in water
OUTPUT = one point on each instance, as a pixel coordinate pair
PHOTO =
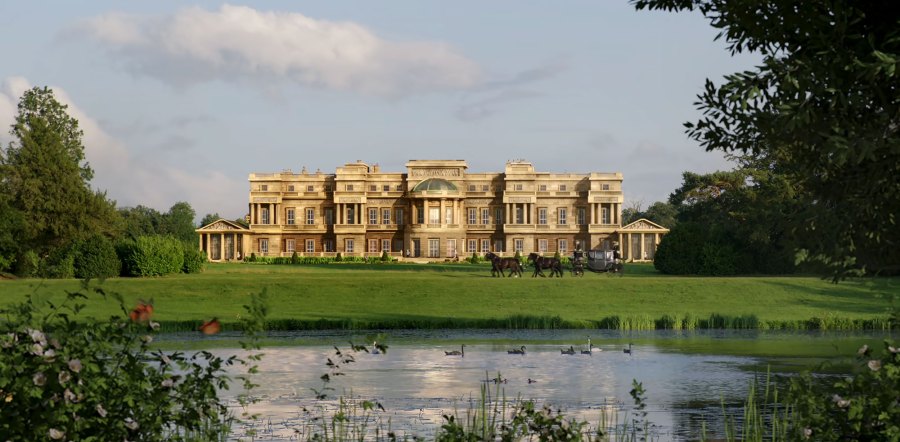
(434, 210)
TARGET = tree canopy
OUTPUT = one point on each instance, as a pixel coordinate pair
(823, 108)
(43, 174)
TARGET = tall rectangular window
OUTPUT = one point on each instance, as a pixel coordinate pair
(472, 215)
(451, 247)
(472, 245)
(498, 216)
(434, 248)
(542, 215)
(498, 246)
(373, 216)
(485, 216)
(310, 215)
(563, 215)
(385, 216)
(310, 246)
(265, 216)
(448, 215)
(485, 245)
(373, 245)
(290, 216)
(289, 245)
(263, 245)
(604, 215)
(434, 215)
(351, 215)
(581, 216)
(399, 217)
(328, 245)
(520, 214)
(386, 245)
(563, 246)
(329, 216)
(542, 245)
(519, 245)
(348, 245)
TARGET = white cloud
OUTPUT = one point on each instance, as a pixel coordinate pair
(129, 180)
(238, 43)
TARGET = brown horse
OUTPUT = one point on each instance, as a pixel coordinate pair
(541, 262)
(501, 264)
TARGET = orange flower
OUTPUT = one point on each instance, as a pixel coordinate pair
(211, 327)
(142, 312)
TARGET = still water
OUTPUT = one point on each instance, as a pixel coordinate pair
(417, 383)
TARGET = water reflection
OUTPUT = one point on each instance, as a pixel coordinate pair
(417, 383)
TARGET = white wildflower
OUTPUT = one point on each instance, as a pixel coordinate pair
(56, 434)
(75, 365)
(165, 359)
(841, 402)
(807, 433)
(70, 397)
(39, 379)
(37, 336)
(11, 338)
(168, 383)
(131, 424)
(893, 349)
(874, 365)
(37, 349)
(49, 355)
(55, 343)
(64, 376)
(101, 411)
(864, 350)
(147, 339)
(154, 325)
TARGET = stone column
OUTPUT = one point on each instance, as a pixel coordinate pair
(412, 212)
(592, 213)
(221, 247)
(506, 219)
(532, 213)
(201, 240)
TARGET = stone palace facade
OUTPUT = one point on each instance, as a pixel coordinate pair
(433, 210)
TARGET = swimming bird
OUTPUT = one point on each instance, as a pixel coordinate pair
(460, 352)
(520, 351)
(531, 381)
(569, 351)
(590, 347)
(627, 350)
(375, 350)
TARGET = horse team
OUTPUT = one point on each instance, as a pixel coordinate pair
(540, 263)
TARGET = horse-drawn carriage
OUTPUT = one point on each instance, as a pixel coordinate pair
(605, 261)
(578, 263)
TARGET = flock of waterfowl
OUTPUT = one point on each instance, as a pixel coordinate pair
(566, 351)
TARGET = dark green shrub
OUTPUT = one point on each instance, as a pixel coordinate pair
(96, 257)
(474, 258)
(252, 257)
(385, 257)
(151, 256)
(59, 264)
(718, 260)
(294, 258)
(27, 264)
(193, 260)
(679, 252)
(338, 257)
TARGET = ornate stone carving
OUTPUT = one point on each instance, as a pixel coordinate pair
(265, 200)
(434, 172)
(478, 201)
(349, 199)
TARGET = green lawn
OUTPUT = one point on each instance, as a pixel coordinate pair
(431, 296)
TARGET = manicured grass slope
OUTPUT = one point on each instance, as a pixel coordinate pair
(431, 296)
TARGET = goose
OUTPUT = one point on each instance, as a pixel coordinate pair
(627, 350)
(460, 352)
(569, 351)
(590, 348)
(520, 351)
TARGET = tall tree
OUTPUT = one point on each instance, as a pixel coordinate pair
(179, 222)
(824, 106)
(209, 218)
(46, 179)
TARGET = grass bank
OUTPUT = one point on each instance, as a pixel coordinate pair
(398, 296)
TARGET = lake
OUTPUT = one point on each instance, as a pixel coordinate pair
(416, 383)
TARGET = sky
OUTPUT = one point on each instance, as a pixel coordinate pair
(180, 101)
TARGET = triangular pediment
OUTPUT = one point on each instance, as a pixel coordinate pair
(644, 224)
(220, 225)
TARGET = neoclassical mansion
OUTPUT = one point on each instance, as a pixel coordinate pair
(436, 209)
